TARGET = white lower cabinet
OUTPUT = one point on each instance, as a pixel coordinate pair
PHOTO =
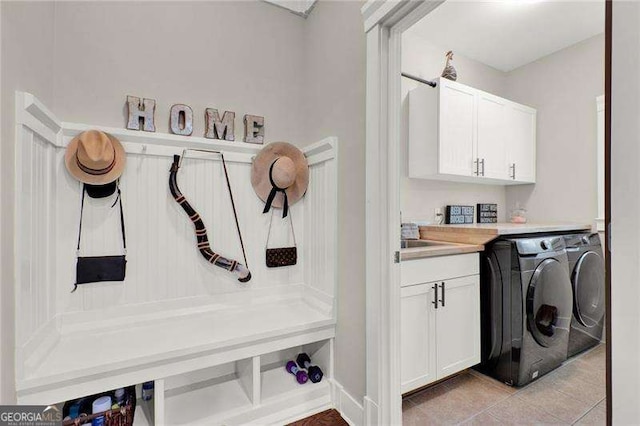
(440, 329)
(417, 337)
(458, 326)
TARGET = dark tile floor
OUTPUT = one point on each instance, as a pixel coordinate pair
(572, 394)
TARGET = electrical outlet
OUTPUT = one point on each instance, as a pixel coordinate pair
(437, 215)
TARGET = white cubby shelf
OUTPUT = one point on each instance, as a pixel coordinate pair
(216, 348)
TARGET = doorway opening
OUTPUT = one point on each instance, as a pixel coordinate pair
(494, 111)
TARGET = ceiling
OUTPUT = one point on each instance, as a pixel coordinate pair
(507, 34)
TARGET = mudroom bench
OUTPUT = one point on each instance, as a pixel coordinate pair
(214, 347)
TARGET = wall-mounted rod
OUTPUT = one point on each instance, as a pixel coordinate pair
(419, 80)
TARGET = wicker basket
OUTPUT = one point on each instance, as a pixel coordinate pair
(122, 416)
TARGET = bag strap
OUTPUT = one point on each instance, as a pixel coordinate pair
(233, 206)
(80, 226)
(124, 237)
(292, 231)
(118, 199)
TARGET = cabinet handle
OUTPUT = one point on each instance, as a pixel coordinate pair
(435, 296)
(476, 163)
(442, 288)
(482, 167)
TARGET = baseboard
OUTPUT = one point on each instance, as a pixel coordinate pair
(350, 409)
(371, 412)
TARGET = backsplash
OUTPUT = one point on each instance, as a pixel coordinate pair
(419, 198)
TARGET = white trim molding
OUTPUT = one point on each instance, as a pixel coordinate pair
(350, 409)
(384, 23)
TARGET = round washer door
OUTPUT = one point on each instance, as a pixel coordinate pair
(549, 303)
(588, 289)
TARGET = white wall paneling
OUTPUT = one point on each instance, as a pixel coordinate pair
(174, 313)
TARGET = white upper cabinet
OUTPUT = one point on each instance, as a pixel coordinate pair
(456, 122)
(459, 133)
(490, 153)
(520, 126)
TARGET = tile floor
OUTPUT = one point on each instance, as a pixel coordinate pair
(572, 394)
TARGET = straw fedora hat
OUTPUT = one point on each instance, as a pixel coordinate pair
(95, 157)
(280, 175)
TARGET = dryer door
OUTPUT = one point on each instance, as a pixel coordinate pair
(549, 303)
(588, 289)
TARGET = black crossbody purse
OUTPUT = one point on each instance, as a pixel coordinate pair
(281, 256)
(93, 269)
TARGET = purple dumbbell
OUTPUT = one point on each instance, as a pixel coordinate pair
(314, 372)
(301, 376)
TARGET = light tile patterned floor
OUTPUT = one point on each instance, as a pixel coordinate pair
(572, 394)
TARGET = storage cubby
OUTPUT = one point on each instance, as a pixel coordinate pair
(242, 391)
(275, 381)
(144, 410)
(205, 396)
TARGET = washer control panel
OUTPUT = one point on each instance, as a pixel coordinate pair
(543, 244)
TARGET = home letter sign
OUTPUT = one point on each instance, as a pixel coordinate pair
(141, 111)
(217, 128)
(181, 121)
(181, 113)
(253, 129)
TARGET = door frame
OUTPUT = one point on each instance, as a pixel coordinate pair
(384, 23)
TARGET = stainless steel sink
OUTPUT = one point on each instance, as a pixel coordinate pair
(419, 243)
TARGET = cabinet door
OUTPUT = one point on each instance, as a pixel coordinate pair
(456, 129)
(458, 325)
(417, 336)
(491, 147)
(521, 142)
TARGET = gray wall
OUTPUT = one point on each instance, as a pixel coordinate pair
(335, 76)
(245, 57)
(27, 61)
(563, 88)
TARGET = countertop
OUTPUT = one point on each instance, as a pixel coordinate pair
(441, 249)
(485, 232)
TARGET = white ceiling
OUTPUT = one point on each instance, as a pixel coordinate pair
(507, 34)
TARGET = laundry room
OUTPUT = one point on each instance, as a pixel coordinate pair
(501, 187)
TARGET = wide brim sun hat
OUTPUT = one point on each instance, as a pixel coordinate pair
(95, 157)
(280, 168)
